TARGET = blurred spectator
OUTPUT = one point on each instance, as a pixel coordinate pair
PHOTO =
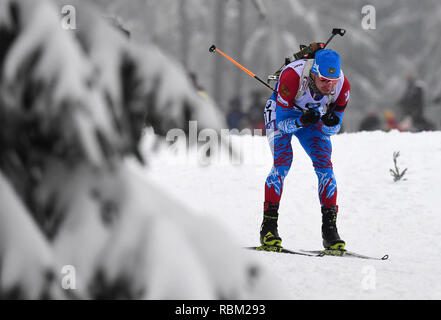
(390, 121)
(255, 114)
(437, 104)
(235, 116)
(412, 101)
(406, 124)
(421, 123)
(370, 122)
(412, 105)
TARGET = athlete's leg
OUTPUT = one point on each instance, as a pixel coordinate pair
(319, 148)
(281, 149)
(280, 145)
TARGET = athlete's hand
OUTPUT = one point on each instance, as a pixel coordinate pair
(330, 119)
(331, 123)
(310, 117)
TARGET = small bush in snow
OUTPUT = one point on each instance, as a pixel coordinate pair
(396, 174)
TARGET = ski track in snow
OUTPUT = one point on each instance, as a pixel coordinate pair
(377, 216)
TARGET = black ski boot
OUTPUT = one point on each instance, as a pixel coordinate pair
(268, 231)
(331, 239)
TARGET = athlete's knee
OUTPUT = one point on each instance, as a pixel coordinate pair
(324, 173)
(322, 166)
(327, 187)
(321, 159)
(278, 173)
(283, 153)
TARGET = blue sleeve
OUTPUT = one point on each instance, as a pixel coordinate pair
(287, 119)
(289, 125)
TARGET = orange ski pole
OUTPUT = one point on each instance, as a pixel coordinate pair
(213, 49)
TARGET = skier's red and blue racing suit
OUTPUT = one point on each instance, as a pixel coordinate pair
(281, 112)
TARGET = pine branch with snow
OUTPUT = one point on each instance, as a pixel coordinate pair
(72, 108)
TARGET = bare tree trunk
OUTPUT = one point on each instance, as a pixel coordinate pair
(185, 34)
(273, 57)
(219, 63)
(239, 46)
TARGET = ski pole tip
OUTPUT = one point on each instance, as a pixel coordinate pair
(212, 48)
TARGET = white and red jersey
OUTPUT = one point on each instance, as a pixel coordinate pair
(288, 87)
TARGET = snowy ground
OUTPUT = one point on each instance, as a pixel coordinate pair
(377, 215)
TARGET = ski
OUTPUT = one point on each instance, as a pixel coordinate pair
(343, 253)
(317, 253)
(278, 249)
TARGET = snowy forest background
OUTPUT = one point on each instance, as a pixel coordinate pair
(261, 33)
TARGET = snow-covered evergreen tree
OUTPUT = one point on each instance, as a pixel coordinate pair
(72, 106)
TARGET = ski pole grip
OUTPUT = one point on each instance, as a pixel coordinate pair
(339, 31)
(212, 48)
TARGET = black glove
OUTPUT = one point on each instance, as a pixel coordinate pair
(311, 116)
(330, 119)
